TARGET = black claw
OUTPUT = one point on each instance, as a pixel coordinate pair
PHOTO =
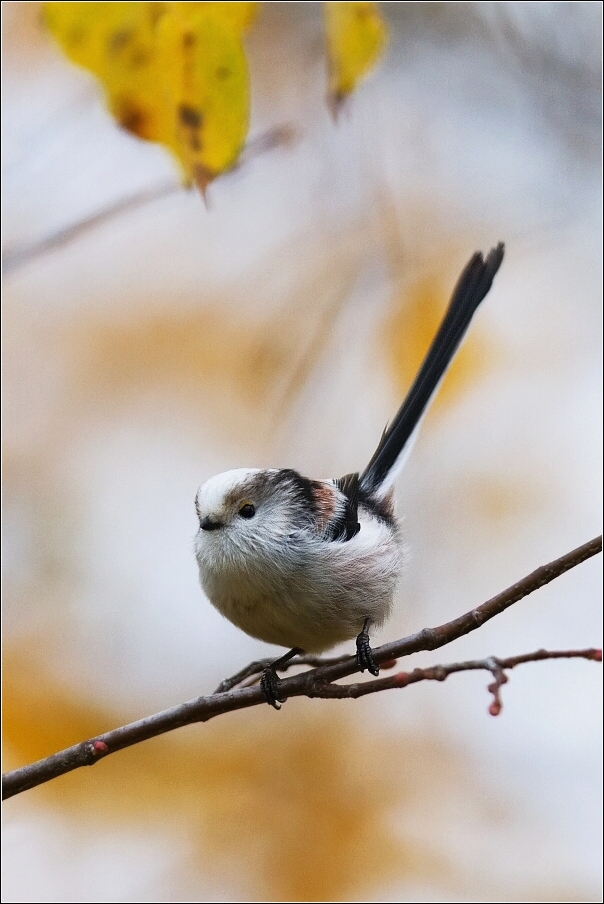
(270, 681)
(269, 685)
(365, 658)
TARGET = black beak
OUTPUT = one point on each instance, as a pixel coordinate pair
(208, 524)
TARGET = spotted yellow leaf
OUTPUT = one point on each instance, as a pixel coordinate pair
(238, 15)
(207, 89)
(116, 41)
(175, 73)
(355, 36)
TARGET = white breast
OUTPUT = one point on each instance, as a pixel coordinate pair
(306, 592)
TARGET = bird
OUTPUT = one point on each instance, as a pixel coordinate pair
(307, 564)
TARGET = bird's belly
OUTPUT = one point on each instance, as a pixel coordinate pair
(298, 611)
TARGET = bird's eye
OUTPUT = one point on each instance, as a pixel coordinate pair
(247, 510)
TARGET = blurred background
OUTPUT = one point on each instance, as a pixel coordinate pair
(280, 325)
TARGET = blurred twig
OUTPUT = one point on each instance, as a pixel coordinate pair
(16, 258)
(317, 682)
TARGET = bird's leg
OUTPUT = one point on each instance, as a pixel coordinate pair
(364, 655)
(270, 681)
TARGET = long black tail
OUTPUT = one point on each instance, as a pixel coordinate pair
(473, 285)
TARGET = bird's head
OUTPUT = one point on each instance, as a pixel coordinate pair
(249, 509)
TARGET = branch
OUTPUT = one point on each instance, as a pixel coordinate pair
(491, 664)
(256, 668)
(433, 638)
(317, 682)
(16, 258)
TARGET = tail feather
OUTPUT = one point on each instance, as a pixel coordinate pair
(472, 286)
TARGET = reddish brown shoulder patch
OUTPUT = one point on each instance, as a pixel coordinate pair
(325, 501)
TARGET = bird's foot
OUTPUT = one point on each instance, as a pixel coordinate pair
(270, 683)
(365, 658)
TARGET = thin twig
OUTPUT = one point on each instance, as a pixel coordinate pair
(16, 258)
(491, 664)
(312, 683)
(433, 638)
(256, 668)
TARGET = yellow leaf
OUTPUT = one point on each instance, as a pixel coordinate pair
(173, 72)
(238, 16)
(207, 89)
(116, 41)
(355, 36)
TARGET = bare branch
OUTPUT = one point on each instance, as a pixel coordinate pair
(256, 668)
(491, 664)
(317, 682)
(16, 258)
(433, 638)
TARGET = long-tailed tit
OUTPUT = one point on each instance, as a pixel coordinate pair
(306, 563)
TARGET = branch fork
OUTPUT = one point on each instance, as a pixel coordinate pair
(320, 680)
